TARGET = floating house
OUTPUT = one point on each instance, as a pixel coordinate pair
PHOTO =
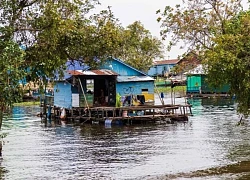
(162, 68)
(114, 81)
(197, 84)
(115, 93)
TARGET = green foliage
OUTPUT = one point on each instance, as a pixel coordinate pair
(54, 31)
(177, 89)
(11, 59)
(219, 32)
(230, 57)
(139, 48)
(29, 103)
(39, 26)
(195, 23)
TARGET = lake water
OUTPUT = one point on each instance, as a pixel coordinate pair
(209, 146)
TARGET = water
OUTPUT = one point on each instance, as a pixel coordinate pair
(208, 146)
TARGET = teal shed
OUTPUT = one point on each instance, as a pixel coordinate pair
(197, 83)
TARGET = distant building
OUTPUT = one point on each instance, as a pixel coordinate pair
(162, 67)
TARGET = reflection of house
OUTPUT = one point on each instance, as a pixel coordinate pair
(196, 82)
(91, 88)
(161, 68)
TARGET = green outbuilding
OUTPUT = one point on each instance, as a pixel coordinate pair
(197, 83)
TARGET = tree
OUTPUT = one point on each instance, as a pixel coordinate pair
(186, 63)
(11, 59)
(50, 32)
(229, 60)
(95, 40)
(195, 23)
(218, 31)
(138, 47)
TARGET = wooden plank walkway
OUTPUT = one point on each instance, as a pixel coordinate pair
(127, 114)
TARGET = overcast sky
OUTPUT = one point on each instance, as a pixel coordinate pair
(128, 11)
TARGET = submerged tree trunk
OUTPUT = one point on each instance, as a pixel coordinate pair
(1, 122)
(1, 116)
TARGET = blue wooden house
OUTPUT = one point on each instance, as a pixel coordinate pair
(131, 81)
(162, 68)
(83, 87)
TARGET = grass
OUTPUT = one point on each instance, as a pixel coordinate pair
(29, 103)
(168, 89)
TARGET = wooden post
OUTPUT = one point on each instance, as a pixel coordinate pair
(190, 110)
(171, 95)
(162, 102)
(174, 97)
(85, 99)
(103, 114)
(71, 114)
(54, 113)
(45, 112)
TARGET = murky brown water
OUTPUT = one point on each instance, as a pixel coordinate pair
(209, 146)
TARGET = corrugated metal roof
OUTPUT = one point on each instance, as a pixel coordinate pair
(103, 72)
(172, 61)
(134, 78)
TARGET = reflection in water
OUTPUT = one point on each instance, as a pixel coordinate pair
(210, 144)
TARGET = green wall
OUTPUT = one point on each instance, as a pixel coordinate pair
(197, 82)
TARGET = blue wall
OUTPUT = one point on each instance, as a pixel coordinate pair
(121, 68)
(62, 95)
(152, 71)
(159, 70)
(127, 88)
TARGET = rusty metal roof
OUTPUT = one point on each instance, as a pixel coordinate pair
(101, 72)
(161, 62)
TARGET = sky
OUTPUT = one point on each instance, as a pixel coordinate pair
(128, 11)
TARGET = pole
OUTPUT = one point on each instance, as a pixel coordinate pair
(45, 106)
(171, 95)
(162, 102)
(85, 99)
(174, 97)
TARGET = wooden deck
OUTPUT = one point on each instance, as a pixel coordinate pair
(127, 115)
